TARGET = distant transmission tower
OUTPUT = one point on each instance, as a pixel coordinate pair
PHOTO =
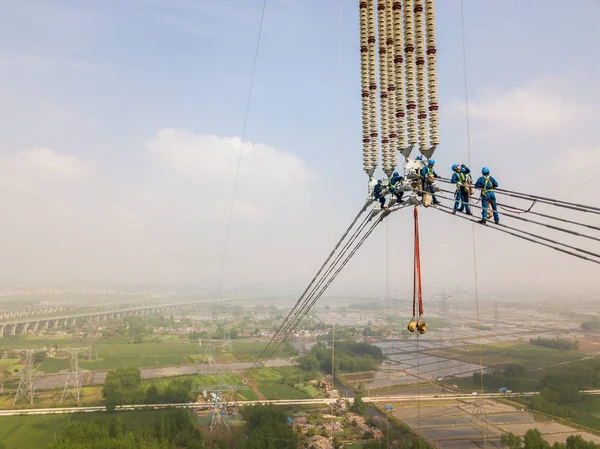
(227, 345)
(480, 416)
(208, 360)
(26, 388)
(219, 408)
(91, 340)
(73, 384)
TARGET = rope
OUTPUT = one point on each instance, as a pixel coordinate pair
(239, 161)
(464, 54)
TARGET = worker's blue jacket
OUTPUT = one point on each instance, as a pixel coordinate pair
(425, 171)
(488, 184)
(395, 179)
(377, 190)
(458, 177)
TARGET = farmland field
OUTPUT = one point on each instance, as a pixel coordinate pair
(24, 432)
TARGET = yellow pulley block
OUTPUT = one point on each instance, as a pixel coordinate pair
(421, 327)
(412, 326)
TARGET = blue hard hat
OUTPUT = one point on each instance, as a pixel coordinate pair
(419, 158)
(485, 171)
(379, 180)
(454, 167)
(431, 162)
(395, 173)
(463, 170)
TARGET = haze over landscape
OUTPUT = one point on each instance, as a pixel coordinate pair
(123, 120)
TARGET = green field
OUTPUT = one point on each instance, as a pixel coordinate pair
(25, 432)
(271, 383)
(531, 356)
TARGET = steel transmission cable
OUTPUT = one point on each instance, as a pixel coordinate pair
(506, 230)
(316, 276)
(313, 298)
(517, 217)
(243, 138)
(590, 253)
(541, 199)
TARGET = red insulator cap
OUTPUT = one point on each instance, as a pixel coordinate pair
(362, 5)
(397, 5)
(381, 6)
(431, 51)
(422, 115)
(400, 114)
(366, 140)
(383, 95)
(365, 94)
(418, 8)
(389, 41)
(398, 59)
(371, 39)
(420, 61)
(373, 134)
(411, 106)
(433, 107)
(373, 86)
(385, 140)
(391, 88)
(393, 136)
(409, 49)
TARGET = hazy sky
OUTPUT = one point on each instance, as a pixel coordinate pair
(121, 120)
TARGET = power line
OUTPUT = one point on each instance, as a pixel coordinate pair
(239, 161)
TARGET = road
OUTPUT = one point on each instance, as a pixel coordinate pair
(325, 401)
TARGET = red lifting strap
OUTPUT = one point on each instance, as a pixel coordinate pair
(417, 286)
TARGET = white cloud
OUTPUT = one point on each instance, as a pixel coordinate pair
(544, 105)
(268, 177)
(29, 170)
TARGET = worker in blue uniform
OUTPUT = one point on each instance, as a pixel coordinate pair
(378, 193)
(426, 173)
(394, 186)
(487, 184)
(461, 196)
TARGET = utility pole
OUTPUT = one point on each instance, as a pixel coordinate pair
(26, 389)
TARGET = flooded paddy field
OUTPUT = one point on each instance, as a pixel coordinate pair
(466, 423)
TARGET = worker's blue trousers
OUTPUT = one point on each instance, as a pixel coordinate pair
(487, 198)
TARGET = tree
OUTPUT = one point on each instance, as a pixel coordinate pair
(359, 407)
(308, 363)
(511, 441)
(152, 395)
(534, 440)
(122, 386)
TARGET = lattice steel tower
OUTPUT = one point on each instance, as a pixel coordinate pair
(73, 384)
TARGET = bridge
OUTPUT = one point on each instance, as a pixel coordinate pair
(8, 328)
